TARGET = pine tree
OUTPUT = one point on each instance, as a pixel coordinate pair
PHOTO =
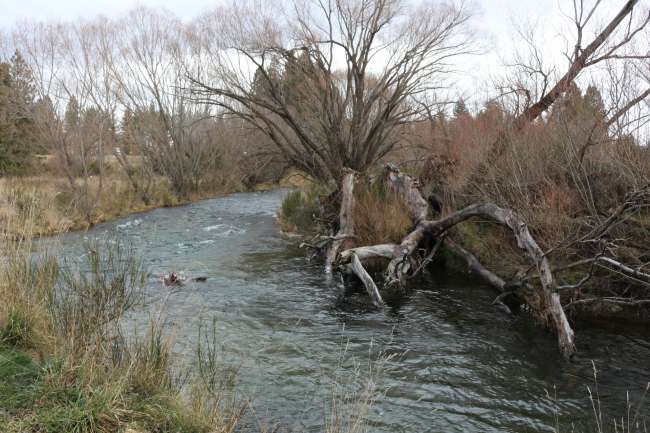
(262, 85)
(297, 71)
(593, 101)
(23, 92)
(72, 120)
(17, 95)
(6, 123)
(460, 109)
(128, 135)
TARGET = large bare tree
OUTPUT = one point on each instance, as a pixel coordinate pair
(69, 75)
(329, 81)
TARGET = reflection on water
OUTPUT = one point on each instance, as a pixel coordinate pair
(461, 366)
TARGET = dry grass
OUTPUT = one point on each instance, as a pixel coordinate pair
(50, 206)
(379, 216)
(355, 390)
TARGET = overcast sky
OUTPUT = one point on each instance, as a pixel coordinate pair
(495, 13)
(493, 23)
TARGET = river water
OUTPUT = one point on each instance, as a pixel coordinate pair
(456, 363)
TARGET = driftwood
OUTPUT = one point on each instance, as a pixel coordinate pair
(367, 281)
(546, 302)
(476, 267)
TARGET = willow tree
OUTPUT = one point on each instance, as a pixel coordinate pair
(329, 82)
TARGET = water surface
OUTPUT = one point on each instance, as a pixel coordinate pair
(460, 365)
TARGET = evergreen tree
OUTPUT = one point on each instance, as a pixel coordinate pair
(72, 120)
(17, 94)
(460, 109)
(266, 78)
(297, 72)
(23, 93)
(128, 137)
(6, 126)
(568, 106)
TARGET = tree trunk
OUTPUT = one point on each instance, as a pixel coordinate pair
(346, 220)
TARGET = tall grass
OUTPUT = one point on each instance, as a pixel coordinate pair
(632, 420)
(380, 216)
(355, 388)
(80, 373)
(300, 211)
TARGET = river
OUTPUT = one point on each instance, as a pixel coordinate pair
(458, 364)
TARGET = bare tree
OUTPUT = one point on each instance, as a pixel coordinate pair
(329, 82)
(156, 53)
(610, 43)
(70, 75)
(4, 46)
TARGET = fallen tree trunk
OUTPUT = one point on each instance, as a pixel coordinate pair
(543, 298)
(546, 302)
(367, 281)
(610, 310)
(476, 267)
(407, 188)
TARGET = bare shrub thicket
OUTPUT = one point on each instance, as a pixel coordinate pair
(118, 89)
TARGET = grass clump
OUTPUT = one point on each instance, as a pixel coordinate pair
(380, 216)
(16, 329)
(300, 211)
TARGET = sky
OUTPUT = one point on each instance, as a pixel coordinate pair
(494, 17)
(493, 24)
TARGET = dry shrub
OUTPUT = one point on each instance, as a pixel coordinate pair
(379, 216)
(560, 174)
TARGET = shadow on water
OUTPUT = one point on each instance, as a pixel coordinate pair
(461, 364)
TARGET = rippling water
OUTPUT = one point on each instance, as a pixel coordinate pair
(459, 365)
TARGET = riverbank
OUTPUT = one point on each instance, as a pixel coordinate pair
(43, 205)
(51, 397)
(49, 207)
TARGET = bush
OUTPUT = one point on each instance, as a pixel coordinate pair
(96, 293)
(91, 379)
